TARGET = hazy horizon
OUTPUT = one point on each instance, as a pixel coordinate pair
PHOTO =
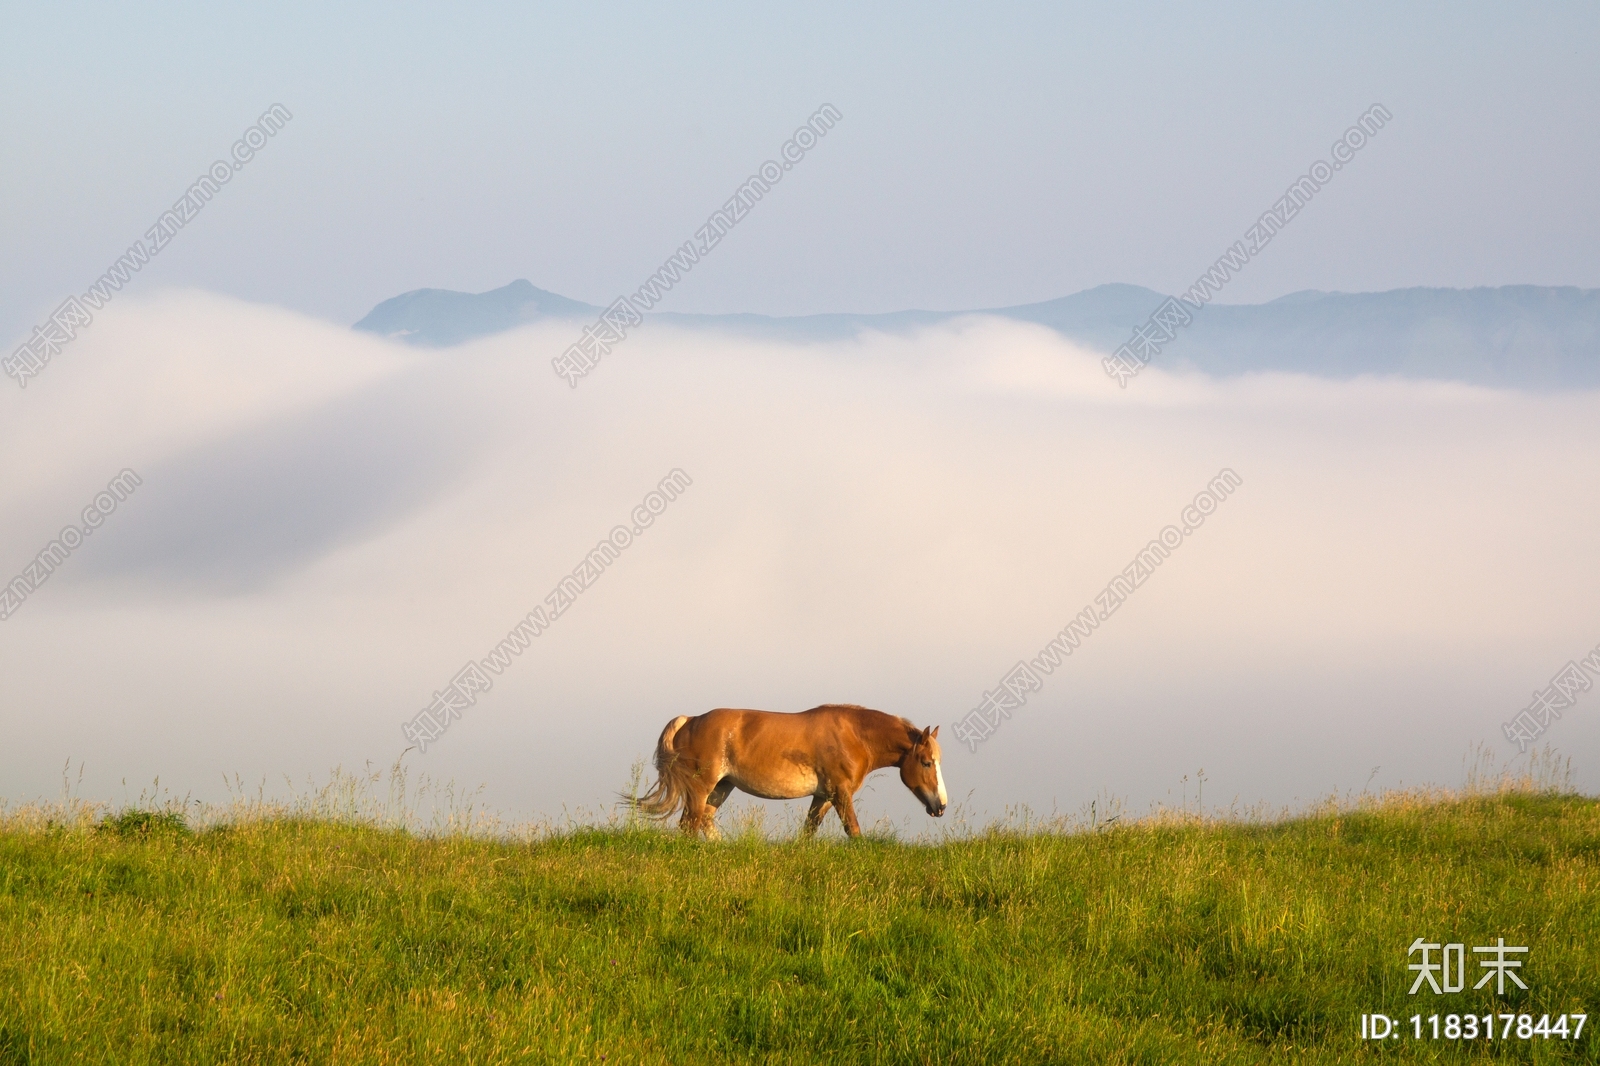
(329, 525)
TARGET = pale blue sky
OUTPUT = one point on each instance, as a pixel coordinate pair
(988, 156)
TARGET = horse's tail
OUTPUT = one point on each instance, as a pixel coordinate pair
(671, 787)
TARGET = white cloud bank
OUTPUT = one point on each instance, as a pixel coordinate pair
(329, 526)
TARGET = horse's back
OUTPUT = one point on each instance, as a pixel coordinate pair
(737, 733)
(742, 726)
(828, 717)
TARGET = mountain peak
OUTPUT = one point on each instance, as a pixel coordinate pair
(440, 317)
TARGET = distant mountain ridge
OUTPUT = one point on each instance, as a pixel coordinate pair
(1522, 336)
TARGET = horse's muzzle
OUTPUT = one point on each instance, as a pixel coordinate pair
(936, 810)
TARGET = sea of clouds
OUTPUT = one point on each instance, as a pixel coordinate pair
(329, 525)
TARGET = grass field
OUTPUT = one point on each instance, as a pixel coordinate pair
(274, 937)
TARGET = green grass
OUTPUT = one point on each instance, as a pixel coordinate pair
(1176, 939)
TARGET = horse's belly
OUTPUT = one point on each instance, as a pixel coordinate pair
(792, 783)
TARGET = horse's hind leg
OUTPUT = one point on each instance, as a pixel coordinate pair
(818, 811)
(700, 810)
(696, 815)
(714, 800)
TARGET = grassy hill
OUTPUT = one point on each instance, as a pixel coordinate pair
(277, 938)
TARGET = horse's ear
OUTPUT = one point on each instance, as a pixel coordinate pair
(935, 733)
(927, 731)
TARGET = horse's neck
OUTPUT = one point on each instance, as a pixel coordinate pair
(890, 739)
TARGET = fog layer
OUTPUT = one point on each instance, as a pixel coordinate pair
(329, 526)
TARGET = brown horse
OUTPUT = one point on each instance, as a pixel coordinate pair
(825, 753)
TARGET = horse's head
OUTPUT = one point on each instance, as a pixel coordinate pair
(921, 772)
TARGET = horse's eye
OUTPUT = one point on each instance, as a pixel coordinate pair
(928, 764)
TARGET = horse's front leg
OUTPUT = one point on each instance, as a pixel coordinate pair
(819, 810)
(844, 803)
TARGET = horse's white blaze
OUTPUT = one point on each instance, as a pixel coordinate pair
(939, 770)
